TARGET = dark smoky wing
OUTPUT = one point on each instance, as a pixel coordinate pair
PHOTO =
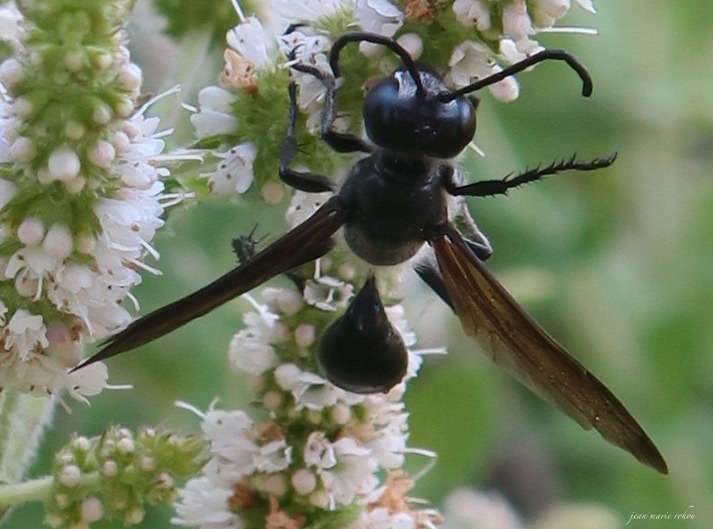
(304, 243)
(516, 342)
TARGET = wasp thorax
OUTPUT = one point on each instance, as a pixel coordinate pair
(361, 351)
(398, 118)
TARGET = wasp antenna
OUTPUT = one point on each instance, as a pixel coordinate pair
(375, 38)
(293, 27)
(544, 55)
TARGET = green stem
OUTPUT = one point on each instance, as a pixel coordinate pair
(23, 419)
(39, 489)
(17, 493)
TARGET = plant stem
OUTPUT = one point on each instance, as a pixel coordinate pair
(17, 493)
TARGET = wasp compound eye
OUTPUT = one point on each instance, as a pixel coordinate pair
(361, 351)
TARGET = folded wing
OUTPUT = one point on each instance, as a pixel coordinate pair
(516, 342)
(306, 242)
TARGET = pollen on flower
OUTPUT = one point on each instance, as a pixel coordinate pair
(238, 72)
(420, 10)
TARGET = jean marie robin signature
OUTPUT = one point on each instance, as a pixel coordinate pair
(640, 516)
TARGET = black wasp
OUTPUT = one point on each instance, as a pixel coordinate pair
(393, 202)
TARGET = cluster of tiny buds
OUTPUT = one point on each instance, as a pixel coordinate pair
(115, 474)
(64, 162)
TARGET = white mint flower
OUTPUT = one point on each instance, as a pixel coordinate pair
(473, 13)
(310, 50)
(252, 42)
(517, 24)
(328, 293)
(388, 507)
(230, 434)
(587, 5)
(25, 333)
(214, 115)
(250, 48)
(7, 191)
(10, 19)
(471, 61)
(350, 437)
(377, 16)
(303, 205)
(283, 301)
(389, 431)
(551, 9)
(205, 504)
(306, 11)
(352, 475)
(319, 452)
(218, 424)
(250, 354)
(234, 171)
(313, 392)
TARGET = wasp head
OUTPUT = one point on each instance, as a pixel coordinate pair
(400, 117)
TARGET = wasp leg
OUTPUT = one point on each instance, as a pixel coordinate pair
(501, 187)
(302, 180)
(338, 141)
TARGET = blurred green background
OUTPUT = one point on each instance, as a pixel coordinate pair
(617, 264)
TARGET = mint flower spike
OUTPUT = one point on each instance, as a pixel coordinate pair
(116, 475)
(319, 457)
(81, 193)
